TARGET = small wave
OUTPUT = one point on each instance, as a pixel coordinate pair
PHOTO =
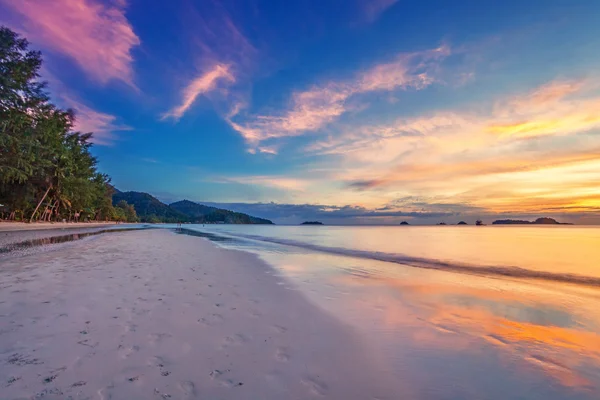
(427, 263)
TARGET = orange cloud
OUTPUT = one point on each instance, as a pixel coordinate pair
(538, 147)
(95, 35)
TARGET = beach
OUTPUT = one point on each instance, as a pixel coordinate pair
(245, 312)
(152, 314)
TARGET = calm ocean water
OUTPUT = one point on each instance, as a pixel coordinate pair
(496, 312)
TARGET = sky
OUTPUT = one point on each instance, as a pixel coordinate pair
(347, 111)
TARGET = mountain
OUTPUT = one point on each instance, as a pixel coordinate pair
(207, 214)
(192, 209)
(149, 208)
(539, 221)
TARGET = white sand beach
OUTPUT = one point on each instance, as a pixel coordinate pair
(155, 315)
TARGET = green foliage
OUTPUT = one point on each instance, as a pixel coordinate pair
(128, 211)
(46, 169)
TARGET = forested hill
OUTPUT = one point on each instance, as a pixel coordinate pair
(192, 209)
(206, 214)
(150, 209)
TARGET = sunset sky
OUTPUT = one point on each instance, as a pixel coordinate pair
(348, 111)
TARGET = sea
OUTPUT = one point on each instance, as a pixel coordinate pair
(451, 312)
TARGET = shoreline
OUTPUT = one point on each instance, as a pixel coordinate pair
(23, 241)
(154, 314)
(26, 226)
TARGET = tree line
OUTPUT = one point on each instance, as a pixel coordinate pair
(47, 172)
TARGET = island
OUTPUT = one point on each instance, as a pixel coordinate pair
(404, 223)
(311, 223)
(462, 223)
(539, 221)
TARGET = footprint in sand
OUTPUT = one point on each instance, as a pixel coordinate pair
(211, 319)
(280, 329)
(220, 376)
(127, 351)
(314, 385)
(282, 354)
(12, 380)
(155, 338)
(161, 363)
(235, 340)
(161, 395)
(157, 361)
(188, 390)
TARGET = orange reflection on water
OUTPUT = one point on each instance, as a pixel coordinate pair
(530, 323)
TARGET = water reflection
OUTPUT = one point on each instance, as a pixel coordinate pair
(45, 241)
(448, 331)
(447, 335)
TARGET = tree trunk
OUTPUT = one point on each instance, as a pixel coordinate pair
(40, 203)
(55, 208)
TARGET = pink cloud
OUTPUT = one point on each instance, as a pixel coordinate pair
(101, 124)
(204, 83)
(217, 37)
(222, 54)
(320, 105)
(97, 36)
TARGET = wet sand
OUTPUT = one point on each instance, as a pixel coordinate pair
(152, 314)
(21, 226)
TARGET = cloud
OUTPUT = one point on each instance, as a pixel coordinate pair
(204, 83)
(374, 8)
(322, 104)
(560, 108)
(268, 149)
(101, 124)
(216, 36)
(550, 109)
(221, 52)
(537, 151)
(268, 181)
(96, 35)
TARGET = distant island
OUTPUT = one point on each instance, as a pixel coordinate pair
(311, 223)
(404, 223)
(462, 223)
(539, 221)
